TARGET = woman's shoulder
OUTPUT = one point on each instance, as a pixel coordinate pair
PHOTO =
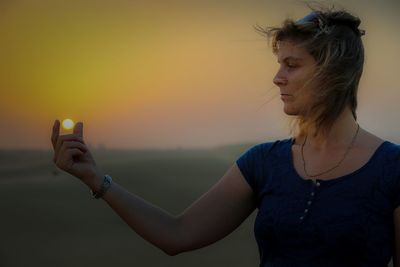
(388, 149)
(276, 145)
(264, 149)
(370, 141)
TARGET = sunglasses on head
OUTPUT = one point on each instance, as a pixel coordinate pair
(323, 26)
(313, 16)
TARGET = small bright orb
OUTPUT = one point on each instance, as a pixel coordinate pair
(68, 124)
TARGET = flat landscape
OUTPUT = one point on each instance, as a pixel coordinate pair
(48, 217)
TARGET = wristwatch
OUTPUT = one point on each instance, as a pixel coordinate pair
(103, 188)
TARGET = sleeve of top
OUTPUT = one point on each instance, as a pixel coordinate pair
(247, 163)
(397, 194)
(397, 183)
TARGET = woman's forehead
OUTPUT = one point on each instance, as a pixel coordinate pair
(289, 50)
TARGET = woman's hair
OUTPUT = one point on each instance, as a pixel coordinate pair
(333, 38)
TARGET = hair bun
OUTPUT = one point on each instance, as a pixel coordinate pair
(345, 19)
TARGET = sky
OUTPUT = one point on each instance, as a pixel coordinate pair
(169, 74)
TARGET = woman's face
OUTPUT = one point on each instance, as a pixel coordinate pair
(297, 66)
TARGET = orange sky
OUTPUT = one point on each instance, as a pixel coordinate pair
(168, 74)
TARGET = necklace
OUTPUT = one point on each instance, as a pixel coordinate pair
(345, 154)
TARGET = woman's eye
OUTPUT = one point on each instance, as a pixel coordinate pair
(291, 66)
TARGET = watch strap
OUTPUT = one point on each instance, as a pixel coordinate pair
(106, 184)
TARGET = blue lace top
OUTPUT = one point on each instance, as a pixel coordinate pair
(345, 221)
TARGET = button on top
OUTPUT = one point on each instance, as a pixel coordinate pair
(312, 193)
(309, 202)
(318, 183)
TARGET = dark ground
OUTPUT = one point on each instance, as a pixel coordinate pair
(48, 217)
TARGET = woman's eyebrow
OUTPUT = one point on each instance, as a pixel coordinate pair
(291, 58)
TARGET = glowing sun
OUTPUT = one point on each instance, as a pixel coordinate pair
(68, 124)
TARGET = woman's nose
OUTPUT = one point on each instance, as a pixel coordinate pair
(279, 79)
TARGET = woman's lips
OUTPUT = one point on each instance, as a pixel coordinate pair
(285, 96)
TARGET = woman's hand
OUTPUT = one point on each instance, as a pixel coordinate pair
(72, 155)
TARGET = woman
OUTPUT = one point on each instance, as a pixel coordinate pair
(328, 196)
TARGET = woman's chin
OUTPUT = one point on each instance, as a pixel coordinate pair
(289, 111)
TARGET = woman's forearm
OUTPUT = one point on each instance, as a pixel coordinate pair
(149, 221)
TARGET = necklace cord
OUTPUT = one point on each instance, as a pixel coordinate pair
(337, 165)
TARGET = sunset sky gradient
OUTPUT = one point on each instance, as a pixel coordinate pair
(168, 74)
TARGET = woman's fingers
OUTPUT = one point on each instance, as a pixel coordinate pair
(67, 151)
(75, 144)
(55, 133)
(68, 137)
(65, 161)
(71, 153)
(57, 140)
(75, 152)
(78, 129)
(68, 144)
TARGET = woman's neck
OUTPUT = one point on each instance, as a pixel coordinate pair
(339, 136)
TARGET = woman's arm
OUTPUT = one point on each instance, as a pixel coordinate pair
(149, 221)
(217, 213)
(213, 216)
(396, 256)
